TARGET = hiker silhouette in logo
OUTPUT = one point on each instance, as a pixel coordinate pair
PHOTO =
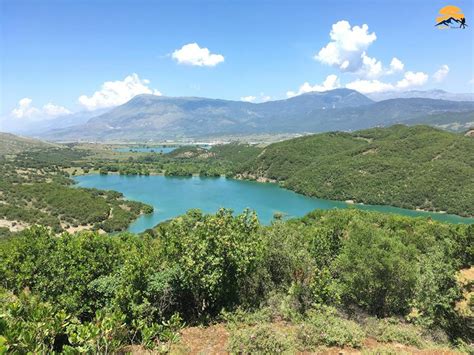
(463, 23)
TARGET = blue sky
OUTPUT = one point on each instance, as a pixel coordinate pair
(53, 52)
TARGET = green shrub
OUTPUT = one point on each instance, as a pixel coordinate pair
(260, 339)
(324, 328)
(197, 265)
(154, 334)
(105, 334)
(60, 268)
(239, 317)
(28, 325)
(377, 270)
(3, 345)
(391, 330)
(214, 255)
(436, 290)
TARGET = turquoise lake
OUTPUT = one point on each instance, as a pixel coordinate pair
(157, 149)
(173, 196)
(163, 150)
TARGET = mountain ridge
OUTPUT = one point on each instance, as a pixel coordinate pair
(13, 144)
(151, 117)
(428, 94)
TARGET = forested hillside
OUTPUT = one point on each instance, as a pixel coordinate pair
(410, 167)
(35, 188)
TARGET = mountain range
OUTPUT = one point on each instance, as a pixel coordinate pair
(150, 117)
(38, 127)
(425, 94)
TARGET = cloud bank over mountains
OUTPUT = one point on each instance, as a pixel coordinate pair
(114, 93)
(331, 82)
(25, 110)
(347, 51)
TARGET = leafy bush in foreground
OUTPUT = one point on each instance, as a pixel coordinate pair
(213, 255)
(105, 334)
(198, 265)
(30, 325)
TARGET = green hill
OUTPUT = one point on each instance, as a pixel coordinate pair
(409, 167)
(11, 144)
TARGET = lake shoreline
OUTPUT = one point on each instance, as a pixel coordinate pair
(265, 180)
(266, 198)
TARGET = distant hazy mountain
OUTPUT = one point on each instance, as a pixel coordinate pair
(429, 94)
(149, 117)
(36, 128)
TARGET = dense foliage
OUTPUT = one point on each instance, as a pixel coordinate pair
(409, 167)
(95, 292)
(333, 277)
(35, 189)
(224, 159)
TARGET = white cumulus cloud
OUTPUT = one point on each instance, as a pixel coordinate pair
(114, 93)
(348, 51)
(369, 86)
(192, 54)
(441, 73)
(411, 79)
(396, 65)
(371, 67)
(331, 82)
(248, 98)
(347, 46)
(261, 98)
(26, 110)
(55, 110)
